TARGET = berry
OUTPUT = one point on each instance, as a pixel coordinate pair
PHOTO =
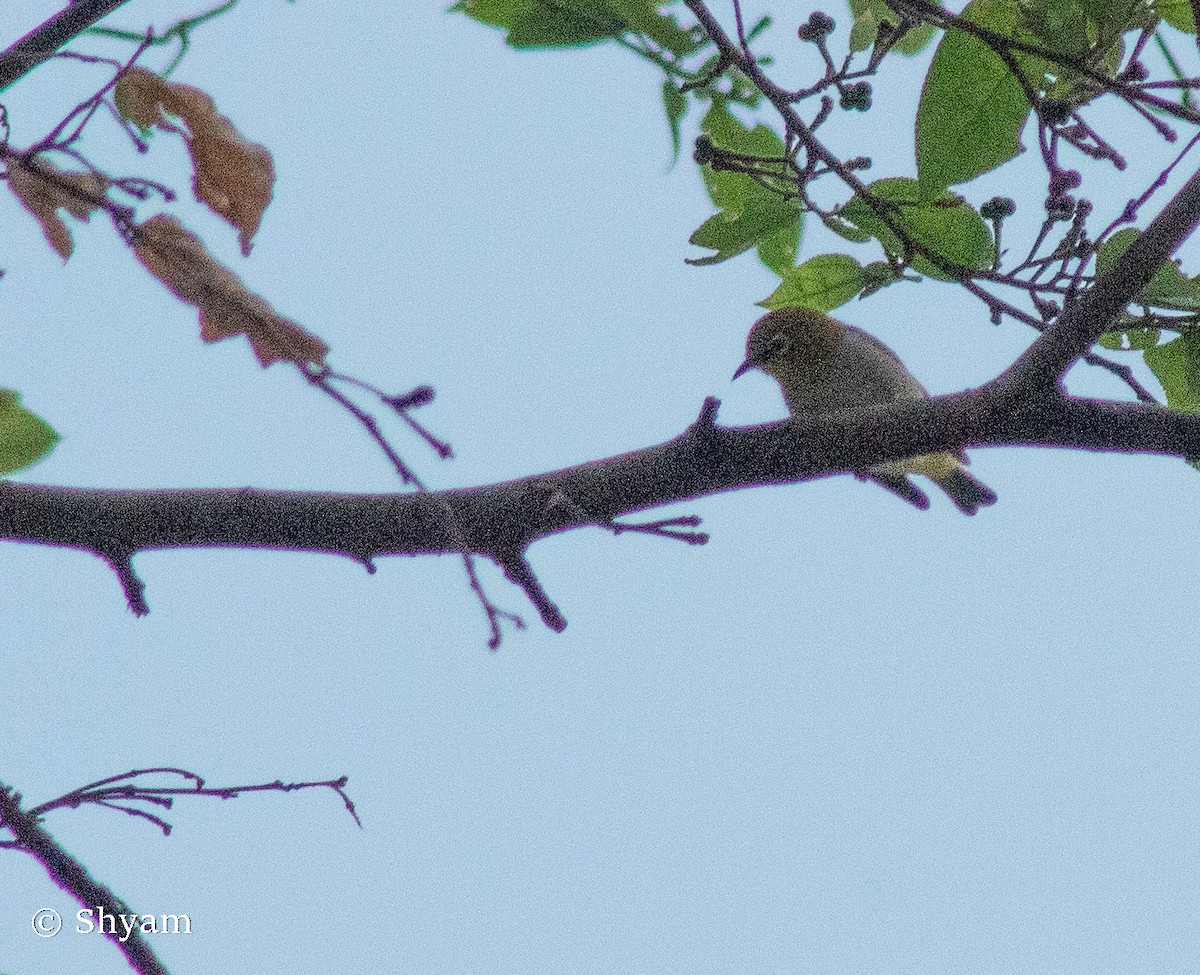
(997, 208)
(1063, 180)
(1060, 207)
(816, 27)
(1055, 111)
(856, 97)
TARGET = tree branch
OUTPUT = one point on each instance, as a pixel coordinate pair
(73, 877)
(1053, 352)
(1083, 321)
(40, 43)
(501, 520)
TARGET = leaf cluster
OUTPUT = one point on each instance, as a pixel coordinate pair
(996, 67)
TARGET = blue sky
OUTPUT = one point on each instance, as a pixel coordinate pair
(845, 736)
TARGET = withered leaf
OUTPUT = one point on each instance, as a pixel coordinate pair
(227, 307)
(232, 176)
(44, 189)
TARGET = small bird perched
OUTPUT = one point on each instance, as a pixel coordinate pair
(825, 366)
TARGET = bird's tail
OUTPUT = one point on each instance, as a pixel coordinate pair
(968, 494)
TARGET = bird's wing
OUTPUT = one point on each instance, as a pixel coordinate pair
(904, 384)
(891, 377)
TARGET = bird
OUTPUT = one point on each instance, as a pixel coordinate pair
(825, 366)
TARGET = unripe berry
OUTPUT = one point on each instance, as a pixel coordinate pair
(1063, 180)
(816, 27)
(856, 97)
(1055, 111)
(1060, 207)
(997, 208)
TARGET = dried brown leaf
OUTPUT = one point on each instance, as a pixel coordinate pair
(139, 94)
(179, 260)
(232, 176)
(43, 190)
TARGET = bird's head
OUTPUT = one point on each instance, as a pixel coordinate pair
(790, 338)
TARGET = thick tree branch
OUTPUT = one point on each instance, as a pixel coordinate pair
(41, 42)
(499, 520)
(1053, 352)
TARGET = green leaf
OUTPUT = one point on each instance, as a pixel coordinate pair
(1113, 18)
(1089, 32)
(675, 104)
(1111, 250)
(762, 24)
(972, 109)
(1058, 25)
(751, 215)
(845, 229)
(494, 13)
(541, 23)
(24, 437)
(1177, 13)
(727, 132)
(821, 282)
(1130, 339)
(1169, 288)
(915, 39)
(730, 232)
(869, 14)
(946, 226)
(880, 274)
(553, 26)
(778, 251)
(643, 17)
(1177, 366)
(1085, 31)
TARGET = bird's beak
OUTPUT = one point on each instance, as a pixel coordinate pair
(744, 367)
